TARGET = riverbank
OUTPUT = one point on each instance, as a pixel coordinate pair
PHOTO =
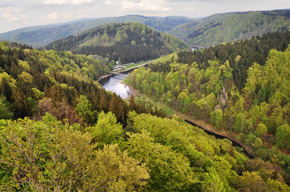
(133, 91)
(104, 76)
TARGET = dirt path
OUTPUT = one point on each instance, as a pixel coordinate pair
(133, 91)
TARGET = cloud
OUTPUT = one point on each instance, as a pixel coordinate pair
(67, 2)
(108, 2)
(146, 5)
(65, 15)
(10, 14)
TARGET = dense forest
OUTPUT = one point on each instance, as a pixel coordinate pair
(39, 36)
(72, 135)
(241, 88)
(150, 154)
(231, 27)
(127, 42)
(34, 82)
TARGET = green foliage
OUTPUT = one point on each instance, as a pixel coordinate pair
(5, 112)
(107, 130)
(261, 129)
(46, 155)
(170, 171)
(84, 109)
(129, 42)
(283, 134)
(229, 27)
(209, 86)
(39, 36)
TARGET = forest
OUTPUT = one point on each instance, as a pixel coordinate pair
(234, 26)
(60, 130)
(240, 88)
(42, 35)
(127, 42)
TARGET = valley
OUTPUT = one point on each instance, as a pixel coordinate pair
(139, 103)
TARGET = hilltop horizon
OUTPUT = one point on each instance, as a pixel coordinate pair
(16, 14)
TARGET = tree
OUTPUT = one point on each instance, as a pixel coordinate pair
(261, 129)
(84, 109)
(169, 170)
(213, 183)
(47, 155)
(6, 90)
(282, 135)
(26, 77)
(21, 105)
(133, 43)
(217, 118)
(251, 181)
(107, 130)
(4, 109)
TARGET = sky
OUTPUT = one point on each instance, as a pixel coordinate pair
(15, 14)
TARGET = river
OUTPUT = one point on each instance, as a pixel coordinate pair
(112, 84)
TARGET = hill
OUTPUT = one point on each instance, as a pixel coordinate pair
(129, 42)
(39, 36)
(231, 27)
(75, 136)
(240, 89)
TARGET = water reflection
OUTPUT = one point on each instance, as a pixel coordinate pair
(112, 84)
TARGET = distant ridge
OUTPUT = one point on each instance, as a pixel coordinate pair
(229, 27)
(39, 36)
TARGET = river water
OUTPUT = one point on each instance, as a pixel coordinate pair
(112, 84)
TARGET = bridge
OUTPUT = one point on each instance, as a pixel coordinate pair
(218, 135)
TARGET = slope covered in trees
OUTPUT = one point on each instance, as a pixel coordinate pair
(209, 85)
(39, 36)
(34, 82)
(151, 154)
(230, 27)
(129, 42)
(80, 137)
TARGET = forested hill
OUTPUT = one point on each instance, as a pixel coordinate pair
(242, 89)
(75, 136)
(231, 27)
(129, 42)
(39, 36)
(34, 82)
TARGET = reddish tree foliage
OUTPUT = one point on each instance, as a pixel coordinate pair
(60, 109)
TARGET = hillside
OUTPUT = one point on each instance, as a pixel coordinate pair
(185, 29)
(129, 42)
(241, 89)
(88, 139)
(39, 36)
(75, 136)
(231, 27)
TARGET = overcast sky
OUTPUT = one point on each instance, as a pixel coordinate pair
(16, 14)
